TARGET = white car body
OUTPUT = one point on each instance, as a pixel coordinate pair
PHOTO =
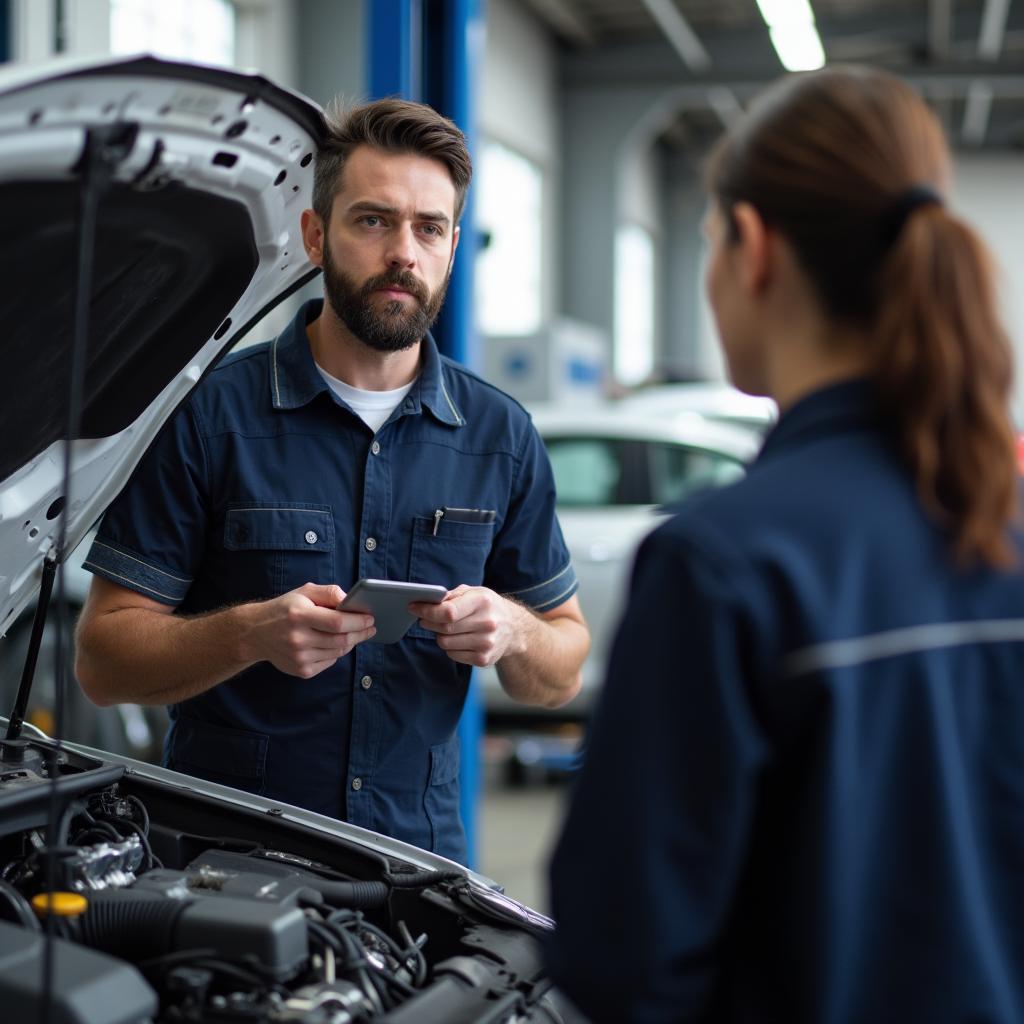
(715, 400)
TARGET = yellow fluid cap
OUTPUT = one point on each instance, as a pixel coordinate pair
(63, 904)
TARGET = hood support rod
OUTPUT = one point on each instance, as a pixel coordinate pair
(42, 606)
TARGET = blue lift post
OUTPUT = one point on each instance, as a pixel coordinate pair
(5, 31)
(430, 50)
(394, 48)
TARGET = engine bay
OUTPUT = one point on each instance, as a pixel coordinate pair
(156, 901)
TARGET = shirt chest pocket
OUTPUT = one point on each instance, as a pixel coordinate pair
(273, 547)
(449, 552)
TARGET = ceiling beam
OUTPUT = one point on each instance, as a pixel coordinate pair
(993, 29)
(940, 28)
(978, 106)
(564, 19)
(678, 32)
(722, 100)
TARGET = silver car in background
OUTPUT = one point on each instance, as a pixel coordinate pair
(619, 469)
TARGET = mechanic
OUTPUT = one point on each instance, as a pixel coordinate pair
(809, 744)
(348, 447)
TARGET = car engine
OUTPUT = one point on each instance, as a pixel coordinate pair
(153, 901)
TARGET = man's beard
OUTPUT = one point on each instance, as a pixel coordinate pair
(395, 327)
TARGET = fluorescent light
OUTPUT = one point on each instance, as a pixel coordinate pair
(793, 33)
(798, 46)
(782, 12)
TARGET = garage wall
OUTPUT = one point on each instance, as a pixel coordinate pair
(989, 192)
(642, 202)
(329, 45)
(519, 107)
(519, 87)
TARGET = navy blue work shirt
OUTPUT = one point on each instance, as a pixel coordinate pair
(266, 480)
(803, 794)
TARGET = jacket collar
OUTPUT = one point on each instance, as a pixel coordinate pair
(838, 408)
(295, 380)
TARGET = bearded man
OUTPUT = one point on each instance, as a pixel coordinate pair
(347, 447)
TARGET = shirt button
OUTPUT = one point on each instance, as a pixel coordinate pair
(375, 448)
(366, 682)
(371, 544)
(311, 537)
(357, 784)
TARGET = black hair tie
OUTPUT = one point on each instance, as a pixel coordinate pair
(913, 198)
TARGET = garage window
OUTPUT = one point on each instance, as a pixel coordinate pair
(508, 198)
(634, 304)
(201, 30)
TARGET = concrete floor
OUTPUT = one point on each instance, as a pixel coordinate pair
(518, 826)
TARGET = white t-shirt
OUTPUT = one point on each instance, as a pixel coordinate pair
(372, 407)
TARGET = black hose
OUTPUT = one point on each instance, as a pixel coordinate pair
(351, 894)
(21, 906)
(143, 813)
(420, 879)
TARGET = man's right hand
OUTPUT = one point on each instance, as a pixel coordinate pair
(302, 632)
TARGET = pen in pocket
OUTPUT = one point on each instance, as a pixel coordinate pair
(463, 515)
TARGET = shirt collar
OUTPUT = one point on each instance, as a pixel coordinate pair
(849, 405)
(295, 380)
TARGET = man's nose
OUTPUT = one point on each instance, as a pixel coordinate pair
(401, 248)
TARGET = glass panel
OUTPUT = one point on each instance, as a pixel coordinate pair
(677, 471)
(587, 471)
(508, 197)
(199, 30)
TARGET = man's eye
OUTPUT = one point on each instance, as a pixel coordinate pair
(432, 229)
(370, 221)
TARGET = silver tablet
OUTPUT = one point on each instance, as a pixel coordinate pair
(388, 602)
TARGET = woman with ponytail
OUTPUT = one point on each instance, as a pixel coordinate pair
(810, 746)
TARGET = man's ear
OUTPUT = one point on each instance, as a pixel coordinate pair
(312, 227)
(753, 247)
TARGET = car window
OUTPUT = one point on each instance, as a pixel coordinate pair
(677, 471)
(588, 470)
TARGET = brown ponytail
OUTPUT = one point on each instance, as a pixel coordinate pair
(826, 158)
(942, 369)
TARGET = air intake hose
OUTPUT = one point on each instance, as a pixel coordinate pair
(358, 895)
(129, 925)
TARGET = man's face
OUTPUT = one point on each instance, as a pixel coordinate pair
(388, 247)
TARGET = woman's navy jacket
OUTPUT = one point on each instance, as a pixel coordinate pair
(803, 794)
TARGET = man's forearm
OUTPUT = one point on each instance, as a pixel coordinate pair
(544, 668)
(130, 648)
(144, 657)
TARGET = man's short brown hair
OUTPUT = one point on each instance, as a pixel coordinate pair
(395, 126)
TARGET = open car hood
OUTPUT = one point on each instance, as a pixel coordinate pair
(200, 176)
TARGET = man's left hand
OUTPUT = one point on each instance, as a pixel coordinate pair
(474, 625)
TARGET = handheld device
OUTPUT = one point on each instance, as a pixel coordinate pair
(388, 602)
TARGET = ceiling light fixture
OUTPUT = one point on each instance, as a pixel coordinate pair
(793, 33)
